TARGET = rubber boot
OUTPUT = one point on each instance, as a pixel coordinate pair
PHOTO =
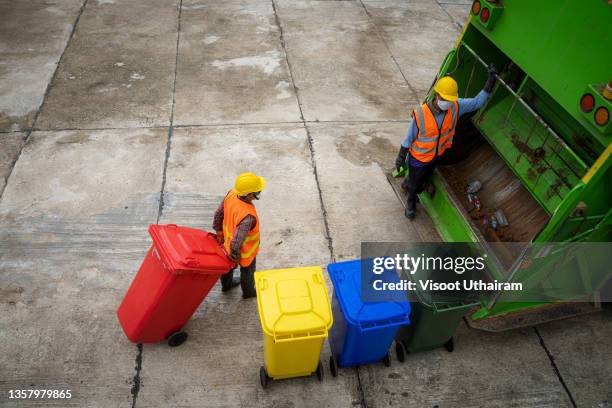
(410, 211)
(406, 190)
(229, 281)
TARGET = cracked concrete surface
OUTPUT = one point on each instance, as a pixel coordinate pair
(10, 146)
(253, 78)
(419, 35)
(118, 69)
(351, 160)
(231, 67)
(33, 35)
(74, 222)
(576, 346)
(485, 370)
(340, 65)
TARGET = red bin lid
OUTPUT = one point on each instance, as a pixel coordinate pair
(184, 249)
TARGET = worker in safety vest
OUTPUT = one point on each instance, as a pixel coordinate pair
(237, 226)
(431, 133)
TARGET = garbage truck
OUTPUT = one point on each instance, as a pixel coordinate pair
(540, 147)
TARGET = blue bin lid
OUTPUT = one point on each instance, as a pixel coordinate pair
(346, 278)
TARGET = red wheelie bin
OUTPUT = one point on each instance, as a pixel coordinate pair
(181, 267)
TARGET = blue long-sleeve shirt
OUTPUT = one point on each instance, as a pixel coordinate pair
(466, 105)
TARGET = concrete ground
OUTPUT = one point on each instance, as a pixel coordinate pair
(116, 114)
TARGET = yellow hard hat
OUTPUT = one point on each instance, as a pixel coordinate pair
(447, 88)
(249, 183)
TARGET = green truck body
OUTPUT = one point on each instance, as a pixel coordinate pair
(541, 155)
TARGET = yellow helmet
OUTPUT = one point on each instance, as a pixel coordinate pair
(447, 88)
(249, 183)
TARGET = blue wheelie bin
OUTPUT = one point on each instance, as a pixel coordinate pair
(363, 331)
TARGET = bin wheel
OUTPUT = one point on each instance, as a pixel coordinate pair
(387, 360)
(333, 366)
(400, 351)
(177, 338)
(320, 371)
(450, 345)
(263, 377)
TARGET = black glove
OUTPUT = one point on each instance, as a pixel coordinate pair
(491, 79)
(401, 158)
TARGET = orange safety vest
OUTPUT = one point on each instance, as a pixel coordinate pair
(431, 141)
(234, 211)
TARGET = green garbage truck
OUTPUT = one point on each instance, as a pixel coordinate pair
(541, 147)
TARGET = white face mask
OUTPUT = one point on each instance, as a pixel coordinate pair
(444, 105)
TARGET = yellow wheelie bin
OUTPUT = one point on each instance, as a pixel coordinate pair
(295, 316)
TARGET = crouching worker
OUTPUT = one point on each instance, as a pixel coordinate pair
(237, 226)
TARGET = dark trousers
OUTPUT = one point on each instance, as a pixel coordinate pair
(416, 181)
(247, 279)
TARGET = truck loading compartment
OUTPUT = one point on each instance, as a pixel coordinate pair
(542, 155)
(526, 169)
(473, 158)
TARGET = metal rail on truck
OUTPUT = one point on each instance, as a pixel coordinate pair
(575, 165)
(518, 97)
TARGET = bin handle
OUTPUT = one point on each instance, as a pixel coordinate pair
(318, 336)
(383, 326)
(193, 262)
(190, 261)
(263, 284)
(317, 278)
(322, 328)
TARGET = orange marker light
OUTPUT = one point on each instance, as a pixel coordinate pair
(602, 116)
(476, 7)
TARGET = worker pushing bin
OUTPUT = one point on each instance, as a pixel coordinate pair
(181, 267)
(295, 317)
(364, 331)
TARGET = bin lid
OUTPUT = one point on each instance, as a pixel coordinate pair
(346, 278)
(293, 302)
(189, 249)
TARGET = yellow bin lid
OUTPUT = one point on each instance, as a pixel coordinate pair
(293, 303)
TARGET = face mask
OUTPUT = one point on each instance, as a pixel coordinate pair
(444, 105)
